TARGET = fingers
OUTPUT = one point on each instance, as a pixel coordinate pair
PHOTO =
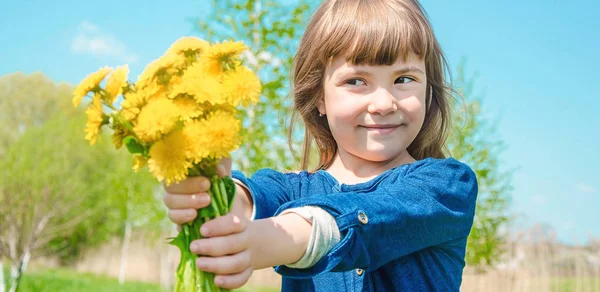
(191, 185)
(225, 265)
(233, 281)
(184, 201)
(224, 225)
(181, 216)
(220, 246)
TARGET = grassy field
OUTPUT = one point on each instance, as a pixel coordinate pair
(64, 280)
(70, 281)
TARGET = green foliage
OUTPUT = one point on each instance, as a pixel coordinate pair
(26, 101)
(48, 171)
(272, 31)
(473, 141)
(116, 195)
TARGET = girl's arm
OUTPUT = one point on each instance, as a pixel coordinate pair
(433, 204)
(266, 191)
(278, 240)
(430, 205)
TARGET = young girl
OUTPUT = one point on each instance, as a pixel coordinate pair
(384, 210)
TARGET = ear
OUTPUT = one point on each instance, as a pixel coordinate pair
(321, 106)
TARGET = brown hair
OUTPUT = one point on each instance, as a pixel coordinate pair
(373, 32)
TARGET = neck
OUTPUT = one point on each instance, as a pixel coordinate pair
(351, 169)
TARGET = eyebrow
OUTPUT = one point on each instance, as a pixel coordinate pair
(402, 70)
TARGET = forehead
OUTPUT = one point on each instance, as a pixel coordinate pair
(341, 64)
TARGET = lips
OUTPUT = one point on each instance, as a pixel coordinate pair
(381, 128)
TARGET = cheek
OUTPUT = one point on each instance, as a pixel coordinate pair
(341, 105)
(413, 107)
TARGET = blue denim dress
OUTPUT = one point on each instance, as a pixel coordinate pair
(404, 230)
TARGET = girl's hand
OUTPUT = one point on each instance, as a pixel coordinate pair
(226, 250)
(184, 198)
(234, 246)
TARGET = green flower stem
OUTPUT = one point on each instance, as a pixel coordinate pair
(111, 107)
(216, 194)
(223, 193)
(215, 205)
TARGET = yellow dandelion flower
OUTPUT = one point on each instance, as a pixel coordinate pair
(203, 86)
(161, 68)
(224, 133)
(189, 43)
(197, 147)
(216, 136)
(188, 108)
(117, 137)
(155, 119)
(130, 113)
(139, 162)
(115, 83)
(168, 160)
(94, 120)
(241, 86)
(88, 84)
(135, 100)
(220, 54)
(149, 71)
(130, 107)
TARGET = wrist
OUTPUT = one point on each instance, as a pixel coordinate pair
(278, 240)
(242, 204)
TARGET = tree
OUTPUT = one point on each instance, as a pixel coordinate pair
(42, 183)
(28, 100)
(58, 194)
(272, 31)
(472, 140)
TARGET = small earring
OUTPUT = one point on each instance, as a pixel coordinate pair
(321, 115)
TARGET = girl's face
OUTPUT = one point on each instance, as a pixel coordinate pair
(374, 112)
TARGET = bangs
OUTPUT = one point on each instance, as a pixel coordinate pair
(375, 32)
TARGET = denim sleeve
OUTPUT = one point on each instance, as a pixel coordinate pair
(269, 190)
(429, 205)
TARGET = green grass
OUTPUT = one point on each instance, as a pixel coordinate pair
(564, 284)
(69, 281)
(64, 280)
(569, 284)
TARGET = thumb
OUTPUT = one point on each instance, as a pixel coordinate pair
(224, 167)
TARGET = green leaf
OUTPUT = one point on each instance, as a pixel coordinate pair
(179, 242)
(133, 145)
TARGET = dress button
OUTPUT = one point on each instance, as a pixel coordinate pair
(360, 272)
(362, 217)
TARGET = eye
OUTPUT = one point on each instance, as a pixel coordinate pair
(355, 82)
(404, 79)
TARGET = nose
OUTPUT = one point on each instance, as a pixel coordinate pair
(382, 102)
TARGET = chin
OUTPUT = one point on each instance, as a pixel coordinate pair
(378, 156)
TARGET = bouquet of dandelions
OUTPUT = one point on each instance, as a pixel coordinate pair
(179, 118)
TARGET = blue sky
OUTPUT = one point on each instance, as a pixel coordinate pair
(537, 65)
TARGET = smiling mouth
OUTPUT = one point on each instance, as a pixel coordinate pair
(382, 126)
(381, 129)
